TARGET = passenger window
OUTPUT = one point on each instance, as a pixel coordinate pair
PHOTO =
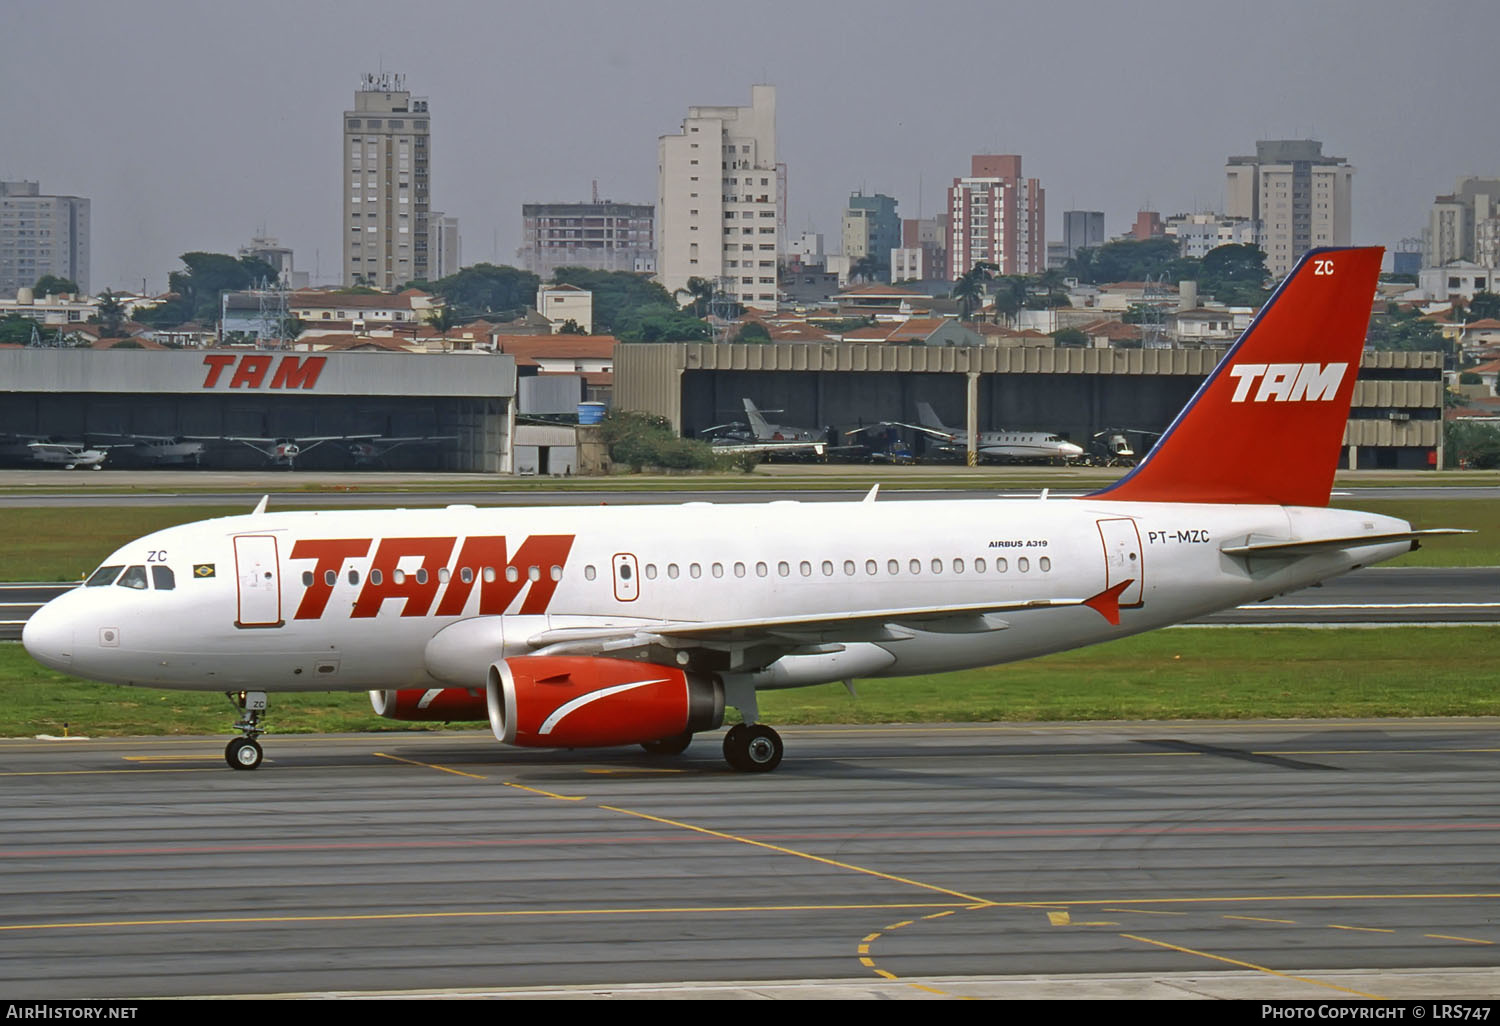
(1023, 564)
(695, 571)
(979, 566)
(421, 575)
(1045, 564)
(534, 573)
(489, 574)
(512, 574)
(892, 567)
(555, 573)
(103, 576)
(1000, 565)
(806, 568)
(588, 573)
(135, 577)
(718, 569)
(783, 568)
(739, 569)
(376, 577)
(162, 578)
(650, 571)
(353, 576)
(958, 566)
(871, 567)
(761, 569)
(937, 566)
(827, 568)
(307, 578)
(672, 571)
(916, 566)
(330, 577)
(467, 575)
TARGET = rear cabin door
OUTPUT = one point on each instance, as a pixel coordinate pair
(1122, 558)
(259, 581)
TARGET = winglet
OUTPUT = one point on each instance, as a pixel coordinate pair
(1107, 603)
(260, 507)
(870, 495)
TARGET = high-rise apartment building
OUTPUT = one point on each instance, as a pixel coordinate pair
(444, 247)
(604, 236)
(1082, 229)
(717, 201)
(41, 235)
(871, 229)
(1465, 225)
(386, 197)
(1300, 197)
(997, 216)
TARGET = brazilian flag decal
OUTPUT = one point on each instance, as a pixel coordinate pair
(203, 569)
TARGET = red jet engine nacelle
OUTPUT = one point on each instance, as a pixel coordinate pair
(588, 702)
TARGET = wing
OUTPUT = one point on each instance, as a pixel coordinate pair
(762, 640)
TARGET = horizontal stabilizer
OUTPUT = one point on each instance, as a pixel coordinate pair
(1291, 549)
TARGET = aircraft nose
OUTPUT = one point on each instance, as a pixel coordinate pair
(1072, 450)
(48, 637)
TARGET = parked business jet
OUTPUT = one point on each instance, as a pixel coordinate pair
(761, 436)
(995, 445)
(619, 625)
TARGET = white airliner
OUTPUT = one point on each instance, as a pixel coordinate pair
(996, 445)
(619, 625)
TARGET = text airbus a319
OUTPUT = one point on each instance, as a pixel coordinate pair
(618, 625)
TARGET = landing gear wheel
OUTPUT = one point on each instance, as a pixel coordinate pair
(675, 745)
(243, 753)
(755, 748)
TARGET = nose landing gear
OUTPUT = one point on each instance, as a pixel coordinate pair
(244, 753)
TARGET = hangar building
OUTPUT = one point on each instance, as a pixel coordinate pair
(1395, 421)
(460, 405)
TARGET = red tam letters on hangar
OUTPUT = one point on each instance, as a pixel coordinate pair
(251, 370)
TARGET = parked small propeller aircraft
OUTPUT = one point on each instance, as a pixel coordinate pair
(764, 437)
(617, 625)
(286, 451)
(28, 449)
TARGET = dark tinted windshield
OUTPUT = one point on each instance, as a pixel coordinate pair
(103, 576)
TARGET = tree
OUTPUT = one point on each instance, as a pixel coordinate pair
(1235, 275)
(1070, 337)
(1483, 305)
(702, 290)
(488, 290)
(443, 319)
(206, 277)
(1398, 329)
(866, 268)
(969, 289)
(1471, 445)
(52, 285)
(621, 298)
(111, 315)
(754, 332)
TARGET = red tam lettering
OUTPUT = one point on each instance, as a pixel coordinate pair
(216, 362)
(292, 372)
(417, 589)
(330, 554)
(483, 559)
(251, 371)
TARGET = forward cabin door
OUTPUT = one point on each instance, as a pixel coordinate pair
(1122, 558)
(258, 578)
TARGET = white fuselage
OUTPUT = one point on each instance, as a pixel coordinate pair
(250, 608)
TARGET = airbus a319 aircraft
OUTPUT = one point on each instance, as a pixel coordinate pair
(611, 625)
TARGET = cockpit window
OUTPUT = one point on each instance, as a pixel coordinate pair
(134, 577)
(105, 575)
(162, 578)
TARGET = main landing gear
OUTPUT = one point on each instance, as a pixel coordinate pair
(753, 748)
(243, 753)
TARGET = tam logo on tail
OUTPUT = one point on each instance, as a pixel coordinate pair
(1288, 382)
(1267, 424)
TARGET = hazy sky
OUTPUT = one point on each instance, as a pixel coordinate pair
(192, 124)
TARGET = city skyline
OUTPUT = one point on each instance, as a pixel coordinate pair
(224, 134)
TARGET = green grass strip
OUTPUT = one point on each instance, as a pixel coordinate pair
(1238, 673)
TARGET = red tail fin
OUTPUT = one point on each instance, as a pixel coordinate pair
(1267, 424)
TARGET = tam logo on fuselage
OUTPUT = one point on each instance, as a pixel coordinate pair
(1287, 382)
(482, 562)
